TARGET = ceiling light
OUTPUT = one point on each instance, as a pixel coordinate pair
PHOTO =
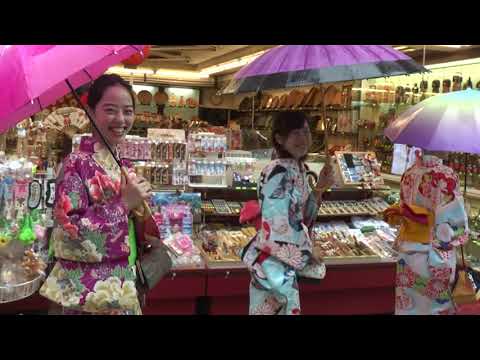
(455, 46)
(232, 64)
(454, 63)
(125, 71)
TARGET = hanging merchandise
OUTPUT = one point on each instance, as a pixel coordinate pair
(457, 82)
(446, 84)
(414, 94)
(424, 86)
(23, 248)
(468, 84)
(137, 58)
(174, 213)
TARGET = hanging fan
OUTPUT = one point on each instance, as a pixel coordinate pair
(69, 118)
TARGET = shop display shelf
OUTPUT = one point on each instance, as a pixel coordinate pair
(207, 186)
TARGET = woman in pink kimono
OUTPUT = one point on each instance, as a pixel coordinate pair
(95, 272)
(434, 225)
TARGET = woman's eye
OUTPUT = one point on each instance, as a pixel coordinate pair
(128, 112)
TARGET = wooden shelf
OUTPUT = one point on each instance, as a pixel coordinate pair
(349, 108)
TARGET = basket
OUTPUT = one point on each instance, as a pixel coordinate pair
(20, 291)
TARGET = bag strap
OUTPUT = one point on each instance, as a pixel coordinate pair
(463, 258)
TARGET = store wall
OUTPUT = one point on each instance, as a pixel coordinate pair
(227, 101)
(177, 104)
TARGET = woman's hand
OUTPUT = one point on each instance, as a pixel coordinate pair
(134, 190)
(325, 180)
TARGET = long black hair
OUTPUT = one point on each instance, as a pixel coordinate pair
(283, 124)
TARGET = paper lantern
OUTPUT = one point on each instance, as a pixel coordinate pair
(136, 59)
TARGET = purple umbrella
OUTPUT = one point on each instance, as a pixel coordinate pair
(302, 65)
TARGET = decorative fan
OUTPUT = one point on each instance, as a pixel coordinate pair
(283, 101)
(216, 100)
(300, 98)
(265, 99)
(293, 98)
(70, 118)
(161, 97)
(145, 97)
(331, 95)
(275, 102)
(308, 100)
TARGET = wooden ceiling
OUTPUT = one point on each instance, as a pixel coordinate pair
(437, 54)
(198, 57)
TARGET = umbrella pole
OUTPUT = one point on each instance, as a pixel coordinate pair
(465, 176)
(325, 141)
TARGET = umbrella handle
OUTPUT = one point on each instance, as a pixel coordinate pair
(143, 211)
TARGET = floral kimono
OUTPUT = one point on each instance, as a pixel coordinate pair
(282, 248)
(426, 269)
(91, 236)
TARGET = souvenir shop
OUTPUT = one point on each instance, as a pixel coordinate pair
(203, 171)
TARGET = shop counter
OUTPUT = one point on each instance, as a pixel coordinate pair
(177, 293)
(351, 289)
(348, 289)
(227, 290)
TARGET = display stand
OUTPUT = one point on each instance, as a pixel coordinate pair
(354, 288)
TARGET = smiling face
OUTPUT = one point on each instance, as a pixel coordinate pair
(297, 142)
(114, 114)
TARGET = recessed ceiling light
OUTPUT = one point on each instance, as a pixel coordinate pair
(455, 46)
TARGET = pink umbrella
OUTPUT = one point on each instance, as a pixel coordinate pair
(35, 76)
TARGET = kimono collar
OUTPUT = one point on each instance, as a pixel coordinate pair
(430, 161)
(291, 162)
(101, 155)
(91, 145)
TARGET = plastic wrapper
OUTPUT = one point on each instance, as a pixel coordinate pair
(224, 245)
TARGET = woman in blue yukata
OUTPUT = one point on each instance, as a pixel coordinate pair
(282, 249)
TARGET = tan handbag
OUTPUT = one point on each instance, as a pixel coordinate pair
(464, 290)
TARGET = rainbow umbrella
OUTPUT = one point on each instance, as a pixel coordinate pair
(448, 122)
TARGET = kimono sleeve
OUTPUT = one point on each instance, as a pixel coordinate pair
(451, 220)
